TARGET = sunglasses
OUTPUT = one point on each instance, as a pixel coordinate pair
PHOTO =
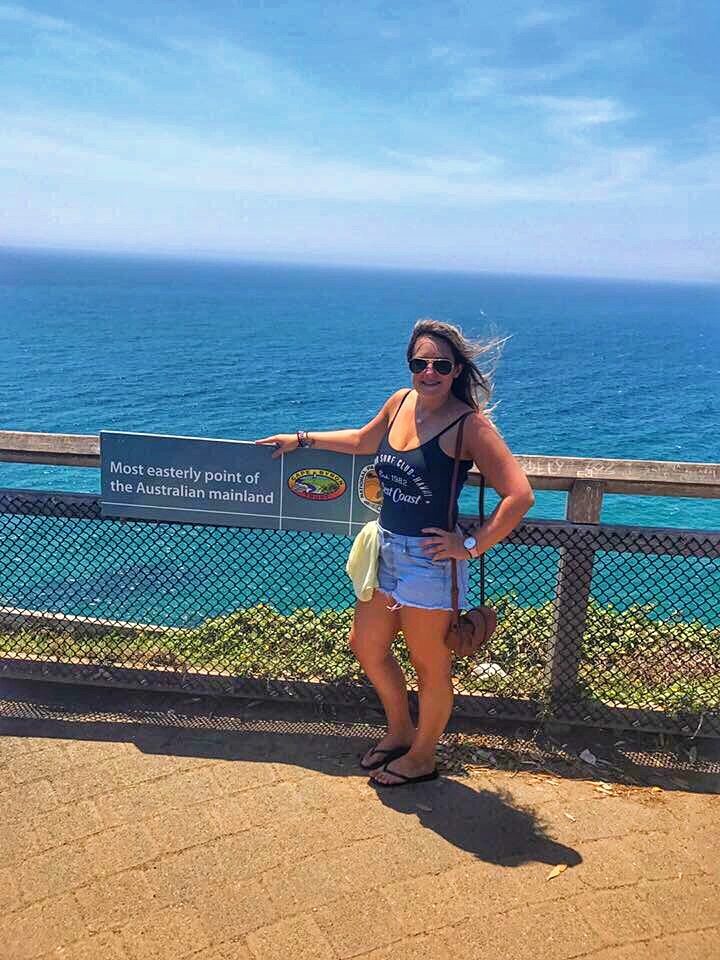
(442, 366)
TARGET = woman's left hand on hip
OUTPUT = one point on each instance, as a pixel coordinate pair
(444, 545)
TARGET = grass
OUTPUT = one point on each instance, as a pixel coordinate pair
(627, 658)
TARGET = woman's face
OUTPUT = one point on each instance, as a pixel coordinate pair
(431, 382)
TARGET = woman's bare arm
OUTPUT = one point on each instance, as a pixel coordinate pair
(504, 474)
(364, 440)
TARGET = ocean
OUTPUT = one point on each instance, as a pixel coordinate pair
(590, 368)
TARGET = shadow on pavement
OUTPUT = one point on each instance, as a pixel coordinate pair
(487, 823)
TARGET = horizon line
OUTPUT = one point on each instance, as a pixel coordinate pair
(239, 259)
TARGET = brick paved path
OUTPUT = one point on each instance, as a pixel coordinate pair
(133, 843)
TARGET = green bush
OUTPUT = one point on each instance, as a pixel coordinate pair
(628, 657)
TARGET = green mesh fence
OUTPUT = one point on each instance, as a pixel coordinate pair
(603, 625)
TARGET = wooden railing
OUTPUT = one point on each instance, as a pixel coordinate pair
(586, 480)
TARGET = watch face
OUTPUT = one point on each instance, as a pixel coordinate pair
(469, 543)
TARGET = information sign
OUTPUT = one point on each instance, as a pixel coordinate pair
(235, 483)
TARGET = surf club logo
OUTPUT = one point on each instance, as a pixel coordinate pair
(369, 489)
(314, 484)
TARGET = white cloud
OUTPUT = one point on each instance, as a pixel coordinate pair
(132, 156)
(476, 163)
(258, 75)
(576, 113)
(539, 16)
(12, 13)
(476, 83)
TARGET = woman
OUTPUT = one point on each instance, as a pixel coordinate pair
(413, 437)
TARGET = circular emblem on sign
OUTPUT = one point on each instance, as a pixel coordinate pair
(369, 489)
(316, 484)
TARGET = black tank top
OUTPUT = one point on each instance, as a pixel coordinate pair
(416, 483)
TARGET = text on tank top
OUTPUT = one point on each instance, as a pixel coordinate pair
(416, 483)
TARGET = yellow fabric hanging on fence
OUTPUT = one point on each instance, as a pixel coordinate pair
(362, 564)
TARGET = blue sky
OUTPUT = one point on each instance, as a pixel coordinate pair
(570, 137)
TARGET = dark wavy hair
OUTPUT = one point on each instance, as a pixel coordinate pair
(473, 386)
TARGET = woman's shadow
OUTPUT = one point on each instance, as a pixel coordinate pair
(489, 824)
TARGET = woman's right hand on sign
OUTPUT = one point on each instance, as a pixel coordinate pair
(283, 443)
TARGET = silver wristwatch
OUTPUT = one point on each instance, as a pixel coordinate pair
(303, 439)
(470, 544)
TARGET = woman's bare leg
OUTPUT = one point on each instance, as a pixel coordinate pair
(424, 632)
(373, 631)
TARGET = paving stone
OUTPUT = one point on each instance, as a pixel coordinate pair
(67, 823)
(663, 856)
(320, 878)
(40, 928)
(140, 766)
(228, 860)
(180, 876)
(629, 951)
(18, 839)
(529, 790)
(699, 848)
(698, 809)
(618, 916)
(229, 911)
(324, 792)
(251, 853)
(148, 799)
(421, 947)
(427, 902)
(700, 945)
(292, 771)
(610, 863)
(683, 904)
(423, 850)
(20, 802)
(351, 820)
(697, 945)
(90, 780)
(91, 751)
(115, 900)
(13, 745)
(41, 764)
(359, 867)
(297, 937)
(103, 946)
(235, 776)
(598, 818)
(255, 808)
(490, 888)
(120, 848)
(53, 873)
(302, 835)
(523, 934)
(165, 934)
(228, 951)
(190, 826)
(9, 891)
(355, 925)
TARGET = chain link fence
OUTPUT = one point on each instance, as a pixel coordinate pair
(606, 625)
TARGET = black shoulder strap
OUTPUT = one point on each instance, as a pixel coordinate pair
(398, 410)
(451, 425)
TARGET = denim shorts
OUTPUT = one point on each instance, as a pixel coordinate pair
(408, 575)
